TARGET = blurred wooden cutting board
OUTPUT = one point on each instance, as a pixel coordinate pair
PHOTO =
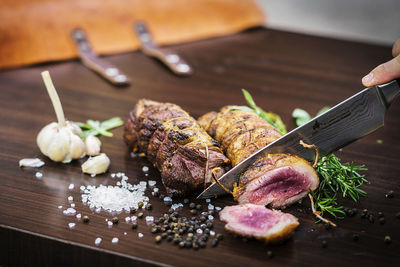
(34, 31)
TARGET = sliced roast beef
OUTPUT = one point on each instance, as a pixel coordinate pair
(258, 222)
(276, 179)
(182, 151)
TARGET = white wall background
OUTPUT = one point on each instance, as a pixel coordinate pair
(373, 21)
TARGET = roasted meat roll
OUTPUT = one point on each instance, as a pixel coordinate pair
(178, 147)
(258, 222)
(277, 180)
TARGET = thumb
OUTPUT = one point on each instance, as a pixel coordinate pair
(383, 73)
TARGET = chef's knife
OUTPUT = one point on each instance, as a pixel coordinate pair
(344, 123)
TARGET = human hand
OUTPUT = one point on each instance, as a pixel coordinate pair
(385, 72)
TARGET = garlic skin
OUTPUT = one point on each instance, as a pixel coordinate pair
(93, 145)
(96, 165)
(61, 143)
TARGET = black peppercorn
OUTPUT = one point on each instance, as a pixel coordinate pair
(198, 207)
(186, 200)
(132, 211)
(324, 243)
(387, 240)
(193, 211)
(85, 219)
(356, 237)
(382, 220)
(181, 244)
(140, 215)
(219, 237)
(115, 220)
(158, 239)
(390, 194)
(149, 207)
(134, 225)
(270, 255)
(214, 243)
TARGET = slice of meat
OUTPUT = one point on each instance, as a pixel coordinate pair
(256, 221)
(182, 151)
(277, 179)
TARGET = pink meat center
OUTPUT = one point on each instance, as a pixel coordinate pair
(281, 183)
(257, 219)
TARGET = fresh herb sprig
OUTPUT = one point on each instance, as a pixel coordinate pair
(92, 127)
(336, 177)
(273, 119)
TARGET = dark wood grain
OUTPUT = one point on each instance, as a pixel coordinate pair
(281, 70)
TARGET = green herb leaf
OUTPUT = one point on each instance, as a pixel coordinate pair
(323, 110)
(92, 127)
(270, 117)
(301, 116)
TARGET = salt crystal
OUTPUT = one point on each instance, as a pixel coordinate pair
(140, 235)
(97, 241)
(60, 207)
(146, 174)
(202, 225)
(149, 219)
(33, 163)
(212, 233)
(71, 186)
(115, 240)
(133, 155)
(78, 216)
(82, 188)
(204, 213)
(167, 200)
(133, 218)
(155, 189)
(152, 183)
(145, 169)
(69, 212)
(210, 217)
(71, 225)
(93, 175)
(39, 175)
(218, 208)
(208, 200)
(143, 183)
(127, 219)
(98, 210)
(176, 206)
(125, 233)
(70, 199)
(199, 231)
(72, 205)
(109, 223)
(210, 206)
(115, 199)
(112, 175)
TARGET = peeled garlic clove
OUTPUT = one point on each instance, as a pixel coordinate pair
(93, 145)
(96, 165)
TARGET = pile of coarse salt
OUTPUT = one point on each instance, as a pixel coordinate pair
(115, 199)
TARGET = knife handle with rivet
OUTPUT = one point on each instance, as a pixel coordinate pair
(171, 59)
(92, 61)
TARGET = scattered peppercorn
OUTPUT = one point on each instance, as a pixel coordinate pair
(382, 220)
(387, 240)
(380, 214)
(214, 243)
(192, 205)
(134, 225)
(158, 239)
(371, 218)
(198, 207)
(132, 211)
(219, 237)
(161, 196)
(140, 204)
(186, 200)
(270, 254)
(193, 211)
(356, 237)
(115, 220)
(398, 215)
(169, 238)
(85, 219)
(149, 207)
(181, 244)
(324, 243)
(390, 194)
(140, 215)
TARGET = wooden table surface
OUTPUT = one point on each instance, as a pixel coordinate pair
(282, 70)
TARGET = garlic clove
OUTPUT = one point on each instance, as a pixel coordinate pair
(93, 145)
(96, 165)
(77, 146)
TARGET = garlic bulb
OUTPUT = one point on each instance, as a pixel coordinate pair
(96, 165)
(59, 141)
(93, 145)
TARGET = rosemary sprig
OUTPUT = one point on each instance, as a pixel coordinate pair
(92, 127)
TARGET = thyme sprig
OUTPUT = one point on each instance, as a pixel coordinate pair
(92, 127)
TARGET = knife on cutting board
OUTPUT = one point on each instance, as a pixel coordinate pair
(344, 123)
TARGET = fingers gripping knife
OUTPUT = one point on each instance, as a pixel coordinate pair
(344, 123)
